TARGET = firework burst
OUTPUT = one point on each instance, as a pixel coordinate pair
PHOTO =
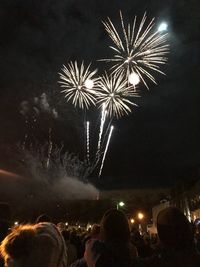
(138, 48)
(114, 94)
(78, 84)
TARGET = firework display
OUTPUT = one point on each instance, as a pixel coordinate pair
(138, 48)
(139, 51)
(114, 93)
(79, 84)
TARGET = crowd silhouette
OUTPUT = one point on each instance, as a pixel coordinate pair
(112, 243)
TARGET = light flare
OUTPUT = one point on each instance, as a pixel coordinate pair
(134, 79)
(89, 84)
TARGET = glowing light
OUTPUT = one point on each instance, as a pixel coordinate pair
(140, 216)
(66, 223)
(134, 78)
(137, 48)
(121, 204)
(106, 149)
(16, 223)
(89, 84)
(162, 27)
(132, 221)
(76, 81)
(114, 93)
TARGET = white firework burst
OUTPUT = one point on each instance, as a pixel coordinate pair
(114, 93)
(138, 48)
(78, 84)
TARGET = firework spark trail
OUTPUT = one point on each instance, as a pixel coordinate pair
(79, 84)
(107, 131)
(138, 48)
(88, 140)
(106, 149)
(114, 93)
(103, 118)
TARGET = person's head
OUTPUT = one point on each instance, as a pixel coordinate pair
(114, 227)
(174, 229)
(34, 245)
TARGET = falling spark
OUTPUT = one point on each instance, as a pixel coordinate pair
(137, 48)
(79, 84)
(114, 93)
(106, 149)
(88, 140)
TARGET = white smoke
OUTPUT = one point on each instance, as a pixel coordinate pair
(64, 178)
(37, 105)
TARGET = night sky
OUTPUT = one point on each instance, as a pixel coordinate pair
(158, 144)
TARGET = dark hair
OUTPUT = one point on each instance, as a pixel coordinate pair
(115, 227)
(115, 233)
(174, 229)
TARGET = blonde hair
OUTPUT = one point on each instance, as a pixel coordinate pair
(34, 245)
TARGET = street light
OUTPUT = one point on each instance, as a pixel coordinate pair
(132, 221)
(120, 204)
(140, 216)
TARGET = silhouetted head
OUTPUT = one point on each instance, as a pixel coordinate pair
(174, 229)
(114, 227)
(43, 218)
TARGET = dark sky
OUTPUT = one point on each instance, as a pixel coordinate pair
(158, 144)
